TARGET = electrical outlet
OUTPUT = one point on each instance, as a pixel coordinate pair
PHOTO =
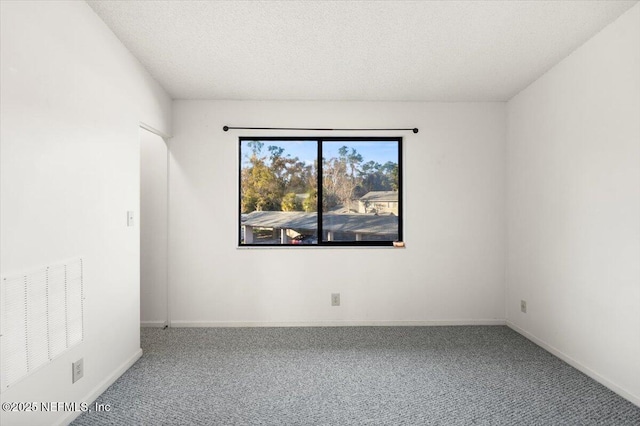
(523, 306)
(335, 299)
(77, 370)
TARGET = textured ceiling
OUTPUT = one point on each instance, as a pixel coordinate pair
(353, 50)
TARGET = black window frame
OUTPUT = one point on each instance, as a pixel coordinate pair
(319, 233)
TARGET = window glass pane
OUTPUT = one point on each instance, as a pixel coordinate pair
(360, 190)
(278, 192)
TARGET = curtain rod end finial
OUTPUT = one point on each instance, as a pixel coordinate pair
(225, 128)
(415, 130)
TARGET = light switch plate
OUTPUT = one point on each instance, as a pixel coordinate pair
(130, 218)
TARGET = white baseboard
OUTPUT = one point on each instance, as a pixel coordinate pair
(98, 390)
(635, 399)
(335, 323)
(159, 324)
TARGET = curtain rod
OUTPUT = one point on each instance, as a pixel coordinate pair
(227, 128)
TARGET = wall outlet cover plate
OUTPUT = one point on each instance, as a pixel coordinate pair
(335, 299)
(77, 370)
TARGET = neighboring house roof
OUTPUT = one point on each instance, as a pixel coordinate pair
(287, 220)
(360, 223)
(380, 196)
(356, 223)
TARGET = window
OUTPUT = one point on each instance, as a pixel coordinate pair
(352, 197)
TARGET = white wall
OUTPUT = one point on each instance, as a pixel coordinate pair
(153, 229)
(451, 271)
(71, 102)
(574, 207)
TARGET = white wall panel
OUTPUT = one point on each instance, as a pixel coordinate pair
(452, 268)
(73, 98)
(573, 198)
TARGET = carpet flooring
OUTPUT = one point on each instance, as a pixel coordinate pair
(353, 376)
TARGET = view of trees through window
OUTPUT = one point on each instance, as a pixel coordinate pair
(359, 195)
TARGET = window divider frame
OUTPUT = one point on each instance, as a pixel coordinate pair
(319, 195)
